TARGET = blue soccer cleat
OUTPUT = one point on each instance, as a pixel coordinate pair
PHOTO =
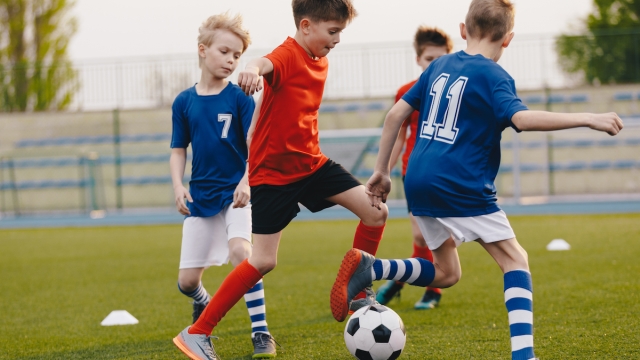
(429, 300)
(388, 291)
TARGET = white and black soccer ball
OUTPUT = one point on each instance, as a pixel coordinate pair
(375, 333)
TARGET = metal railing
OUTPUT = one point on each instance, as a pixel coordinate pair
(355, 71)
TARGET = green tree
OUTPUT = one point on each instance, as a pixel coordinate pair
(608, 49)
(35, 72)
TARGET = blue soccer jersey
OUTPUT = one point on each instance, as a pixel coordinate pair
(465, 102)
(216, 126)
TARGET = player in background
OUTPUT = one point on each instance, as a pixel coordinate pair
(286, 165)
(465, 101)
(430, 43)
(214, 116)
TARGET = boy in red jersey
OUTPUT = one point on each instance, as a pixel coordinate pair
(286, 166)
(430, 43)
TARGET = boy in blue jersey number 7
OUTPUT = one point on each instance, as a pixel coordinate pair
(465, 101)
(214, 117)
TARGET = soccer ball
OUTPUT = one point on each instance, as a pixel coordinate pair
(375, 333)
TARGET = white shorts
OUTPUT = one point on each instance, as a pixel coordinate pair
(205, 240)
(490, 228)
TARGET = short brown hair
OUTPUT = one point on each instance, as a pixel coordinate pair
(323, 10)
(431, 36)
(491, 19)
(223, 22)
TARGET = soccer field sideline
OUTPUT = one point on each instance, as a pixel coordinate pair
(577, 205)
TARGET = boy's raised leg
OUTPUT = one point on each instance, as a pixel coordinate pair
(358, 269)
(372, 220)
(368, 232)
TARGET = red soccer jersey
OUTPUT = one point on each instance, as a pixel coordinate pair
(413, 127)
(285, 146)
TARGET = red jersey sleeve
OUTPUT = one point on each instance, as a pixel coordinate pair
(282, 59)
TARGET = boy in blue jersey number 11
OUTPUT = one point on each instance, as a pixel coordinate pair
(214, 117)
(465, 101)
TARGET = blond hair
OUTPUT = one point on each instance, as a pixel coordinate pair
(323, 10)
(207, 30)
(431, 36)
(491, 19)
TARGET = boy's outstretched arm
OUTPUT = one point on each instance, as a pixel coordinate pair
(177, 161)
(249, 79)
(379, 184)
(530, 120)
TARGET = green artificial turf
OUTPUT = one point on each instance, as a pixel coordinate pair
(57, 285)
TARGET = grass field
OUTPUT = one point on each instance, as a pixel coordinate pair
(58, 284)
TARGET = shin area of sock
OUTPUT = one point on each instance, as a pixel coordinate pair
(367, 238)
(240, 280)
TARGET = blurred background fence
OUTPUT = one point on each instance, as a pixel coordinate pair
(110, 149)
(355, 71)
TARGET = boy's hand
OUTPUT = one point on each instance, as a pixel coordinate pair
(242, 194)
(182, 193)
(609, 123)
(377, 188)
(250, 80)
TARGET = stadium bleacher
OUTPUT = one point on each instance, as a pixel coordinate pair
(56, 163)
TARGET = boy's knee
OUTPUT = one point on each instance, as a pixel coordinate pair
(418, 240)
(267, 266)
(188, 283)
(516, 259)
(264, 266)
(239, 252)
(377, 217)
(450, 279)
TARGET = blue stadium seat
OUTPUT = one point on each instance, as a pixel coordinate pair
(578, 98)
(351, 107)
(624, 164)
(583, 143)
(44, 184)
(600, 165)
(562, 143)
(328, 108)
(144, 180)
(556, 99)
(608, 142)
(623, 96)
(534, 99)
(375, 106)
(88, 140)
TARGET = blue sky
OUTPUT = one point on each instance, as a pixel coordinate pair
(149, 28)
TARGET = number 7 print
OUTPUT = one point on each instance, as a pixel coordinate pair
(227, 123)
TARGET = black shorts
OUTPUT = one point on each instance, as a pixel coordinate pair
(274, 206)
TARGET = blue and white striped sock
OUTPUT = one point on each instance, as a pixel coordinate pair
(413, 271)
(257, 309)
(518, 296)
(199, 295)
